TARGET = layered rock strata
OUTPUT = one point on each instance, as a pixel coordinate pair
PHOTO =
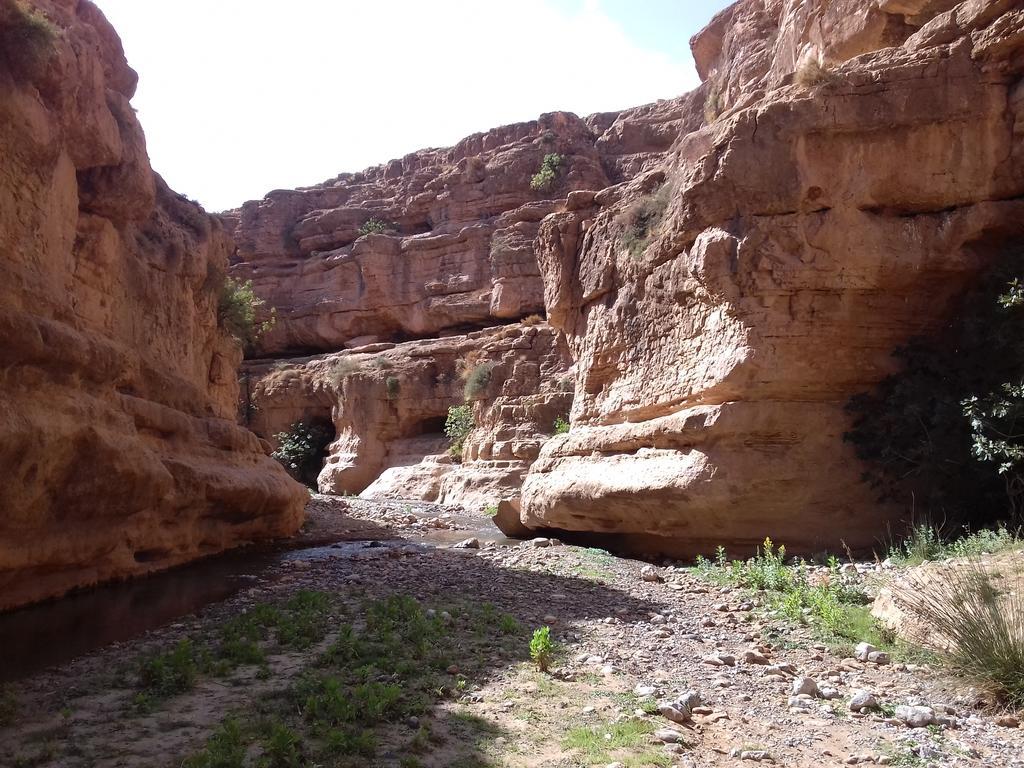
(848, 171)
(117, 389)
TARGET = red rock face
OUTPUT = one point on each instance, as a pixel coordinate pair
(858, 164)
(118, 391)
(457, 259)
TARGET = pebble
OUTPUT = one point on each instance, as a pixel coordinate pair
(720, 660)
(862, 700)
(1008, 721)
(467, 544)
(806, 686)
(915, 717)
(668, 736)
(647, 573)
(754, 657)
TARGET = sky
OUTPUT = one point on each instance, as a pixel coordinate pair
(239, 97)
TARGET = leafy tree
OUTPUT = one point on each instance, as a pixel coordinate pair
(302, 450)
(944, 434)
(457, 426)
(545, 178)
(237, 311)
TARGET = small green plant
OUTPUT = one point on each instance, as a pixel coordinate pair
(542, 648)
(926, 542)
(477, 380)
(561, 425)
(640, 219)
(373, 226)
(282, 748)
(598, 744)
(491, 510)
(457, 427)
(172, 672)
(302, 448)
(392, 385)
(237, 310)
(544, 180)
(224, 749)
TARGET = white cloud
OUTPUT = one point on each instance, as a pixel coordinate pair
(241, 96)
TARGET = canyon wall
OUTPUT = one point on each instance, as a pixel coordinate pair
(416, 272)
(857, 163)
(118, 390)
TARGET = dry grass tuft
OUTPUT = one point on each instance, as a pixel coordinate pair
(978, 611)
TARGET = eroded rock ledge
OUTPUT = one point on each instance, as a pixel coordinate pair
(118, 441)
(858, 164)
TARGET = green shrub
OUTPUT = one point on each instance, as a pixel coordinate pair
(392, 385)
(542, 648)
(282, 748)
(491, 510)
(457, 427)
(172, 672)
(237, 310)
(640, 219)
(302, 449)
(544, 180)
(224, 749)
(373, 227)
(561, 426)
(939, 435)
(981, 616)
(926, 542)
(477, 380)
(26, 40)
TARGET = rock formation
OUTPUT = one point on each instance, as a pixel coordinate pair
(388, 404)
(727, 269)
(117, 389)
(448, 273)
(842, 174)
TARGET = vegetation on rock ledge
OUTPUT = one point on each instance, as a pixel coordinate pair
(237, 311)
(302, 448)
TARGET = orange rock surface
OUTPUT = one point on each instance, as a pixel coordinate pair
(118, 442)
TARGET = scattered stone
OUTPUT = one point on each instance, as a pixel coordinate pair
(754, 657)
(643, 691)
(720, 660)
(1008, 721)
(470, 543)
(647, 573)
(806, 686)
(538, 542)
(863, 650)
(668, 736)
(915, 716)
(878, 657)
(863, 700)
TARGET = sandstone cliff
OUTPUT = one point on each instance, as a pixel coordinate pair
(117, 389)
(450, 276)
(847, 170)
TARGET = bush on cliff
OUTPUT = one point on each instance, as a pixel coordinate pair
(946, 434)
(237, 311)
(544, 180)
(641, 218)
(301, 450)
(27, 39)
(457, 427)
(373, 227)
(477, 380)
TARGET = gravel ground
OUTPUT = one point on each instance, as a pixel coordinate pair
(633, 636)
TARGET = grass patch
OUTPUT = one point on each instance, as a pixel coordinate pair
(388, 663)
(834, 605)
(296, 624)
(926, 542)
(477, 381)
(341, 370)
(603, 743)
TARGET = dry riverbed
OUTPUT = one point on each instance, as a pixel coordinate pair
(399, 652)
